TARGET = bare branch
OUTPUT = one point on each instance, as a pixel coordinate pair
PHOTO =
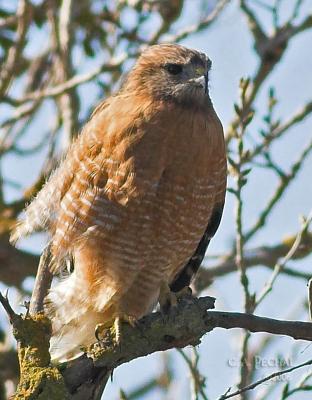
(62, 41)
(266, 256)
(267, 378)
(277, 195)
(281, 264)
(281, 129)
(21, 112)
(76, 80)
(7, 306)
(184, 325)
(204, 23)
(8, 21)
(42, 283)
(270, 50)
(9, 66)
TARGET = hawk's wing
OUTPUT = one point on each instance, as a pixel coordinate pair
(188, 271)
(121, 157)
(44, 209)
(183, 279)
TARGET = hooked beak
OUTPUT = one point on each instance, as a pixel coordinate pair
(206, 82)
(202, 81)
(202, 77)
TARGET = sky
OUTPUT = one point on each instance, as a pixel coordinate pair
(229, 45)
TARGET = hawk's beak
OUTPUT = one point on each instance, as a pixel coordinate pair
(206, 82)
(201, 74)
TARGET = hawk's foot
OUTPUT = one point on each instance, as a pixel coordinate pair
(185, 293)
(102, 333)
(167, 299)
(117, 326)
(111, 332)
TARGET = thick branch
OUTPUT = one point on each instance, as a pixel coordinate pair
(183, 326)
(253, 323)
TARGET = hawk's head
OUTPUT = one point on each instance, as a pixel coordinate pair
(172, 72)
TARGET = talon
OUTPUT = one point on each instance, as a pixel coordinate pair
(131, 320)
(117, 329)
(100, 331)
(167, 298)
(186, 292)
(117, 326)
(97, 331)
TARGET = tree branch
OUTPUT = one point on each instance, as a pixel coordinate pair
(184, 325)
(266, 256)
(199, 26)
(42, 282)
(8, 68)
(113, 64)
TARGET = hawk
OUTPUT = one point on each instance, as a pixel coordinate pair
(136, 199)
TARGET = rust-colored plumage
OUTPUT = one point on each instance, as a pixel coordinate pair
(137, 198)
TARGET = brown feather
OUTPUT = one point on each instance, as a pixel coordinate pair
(142, 181)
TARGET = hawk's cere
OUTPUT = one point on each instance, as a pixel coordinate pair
(136, 199)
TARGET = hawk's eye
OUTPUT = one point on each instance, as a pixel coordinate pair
(174, 69)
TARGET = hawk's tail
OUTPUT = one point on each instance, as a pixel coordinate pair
(39, 212)
(43, 209)
(74, 318)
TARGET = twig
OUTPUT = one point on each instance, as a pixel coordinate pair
(161, 381)
(280, 265)
(240, 180)
(42, 282)
(278, 131)
(270, 50)
(280, 189)
(266, 256)
(74, 81)
(296, 9)
(8, 21)
(6, 305)
(204, 23)
(301, 386)
(198, 382)
(62, 41)
(20, 112)
(267, 378)
(9, 66)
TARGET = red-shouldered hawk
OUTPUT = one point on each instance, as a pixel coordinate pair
(136, 199)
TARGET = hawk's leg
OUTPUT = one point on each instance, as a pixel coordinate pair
(185, 292)
(112, 330)
(117, 326)
(168, 298)
(102, 332)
